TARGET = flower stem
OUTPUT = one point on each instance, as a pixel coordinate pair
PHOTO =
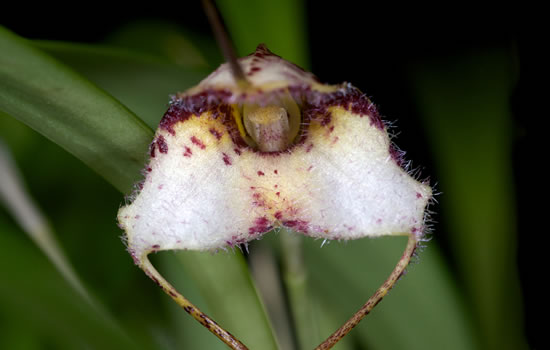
(375, 298)
(222, 37)
(296, 281)
(191, 309)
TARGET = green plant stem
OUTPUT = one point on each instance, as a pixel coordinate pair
(222, 37)
(375, 298)
(295, 276)
(266, 273)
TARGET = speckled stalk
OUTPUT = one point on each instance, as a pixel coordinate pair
(228, 338)
(375, 298)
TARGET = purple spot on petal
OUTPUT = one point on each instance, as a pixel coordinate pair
(163, 146)
(188, 152)
(297, 225)
(261, 225)
(197, 142)
(226, 159)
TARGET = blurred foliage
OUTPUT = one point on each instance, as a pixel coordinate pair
(473, 92)
(464, 104)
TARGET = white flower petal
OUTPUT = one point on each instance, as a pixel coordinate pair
(206, 188)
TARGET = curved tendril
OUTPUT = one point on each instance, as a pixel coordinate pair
(375, 298)
(191, 309)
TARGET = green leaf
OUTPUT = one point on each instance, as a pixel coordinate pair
(278, 24)
(464, 101)
(80, 207)
(423, 311)
(188, 332)
(229, 294)
(142, 82)
(15, 198)
(83, 119)
(71, 111)
(161, 38)
(34, 294)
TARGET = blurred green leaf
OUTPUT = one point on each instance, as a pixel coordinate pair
(423, 311)
(307, 320)
(38, 297)
(142, 82)
(96, 128)
(465, 102)
(15, 198)
(278, 24)
(188, 332)
(71, 111)
(81, 208)
(229, 294)
(169, 41)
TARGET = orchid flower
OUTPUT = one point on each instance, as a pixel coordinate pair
(233, 159)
